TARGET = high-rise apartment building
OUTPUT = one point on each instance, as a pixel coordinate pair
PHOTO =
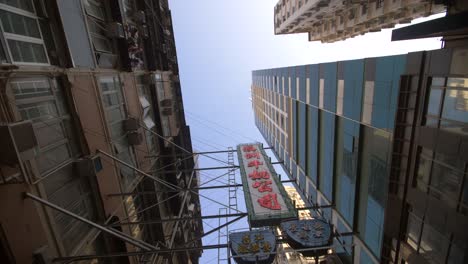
(379, 146)
(95, 148)
(334, 20)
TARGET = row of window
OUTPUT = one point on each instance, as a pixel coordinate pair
(26, 36)
(434, 245)
(443, 177)
(23, 24)
(340, 87)
(41, 100)
(447, 106)
(327, 149)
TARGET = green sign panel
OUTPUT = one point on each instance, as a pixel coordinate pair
(267, 202)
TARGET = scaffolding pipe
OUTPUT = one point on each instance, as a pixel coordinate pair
(176, 188)
(208, 247)
(196, 169)
(162, 191)
(136, 169)
(214, 230)
(177, 219)
(133, 253)
(181, 210)
(140, 244)
(195, 153)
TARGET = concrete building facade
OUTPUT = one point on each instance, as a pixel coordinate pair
(378, 145)
(334, 20)
(92, 121)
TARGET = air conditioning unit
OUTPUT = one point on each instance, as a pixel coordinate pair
(166, 102)
(18, 142)
(167, 111)
(131, 124)
(88, 166)
(140, 16)
(134, 138)
(115, 30)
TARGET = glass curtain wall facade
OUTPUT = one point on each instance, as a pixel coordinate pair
(332, 125)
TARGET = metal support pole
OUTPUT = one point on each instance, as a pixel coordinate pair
(172, 186)
(137, 170)
(140, 244)
(217, 187)
(161, 191)
(177, 219)
(134, 193)
(314, 207)
(197, 169)
(286, 181)
(195, 153)
(214, 230)
(139, 253)
(181, 210)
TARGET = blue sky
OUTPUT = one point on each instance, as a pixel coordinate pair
(219, 43)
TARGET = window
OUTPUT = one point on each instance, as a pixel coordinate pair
(413, 231)
(363, 9)
(440, 176)
(312, 143)
(368, 102)
(326, 153)
(22, 33)
(148, 115)
(347, 133)
(41, 100)
(379, 3)
(374, 162)
(434, 245)
(103, 46)
(321, 92)
(112, 98)
(447, 104)
(340, 98)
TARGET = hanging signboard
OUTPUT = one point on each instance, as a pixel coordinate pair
(256, 247)
(267, 202)
(313, 234)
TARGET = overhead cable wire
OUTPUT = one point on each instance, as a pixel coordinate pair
(181, 148)
(238, 133)
(213, 129)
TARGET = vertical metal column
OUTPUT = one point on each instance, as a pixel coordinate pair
(222, 238)
(232, 182)
(232, 195)
(232, 202)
